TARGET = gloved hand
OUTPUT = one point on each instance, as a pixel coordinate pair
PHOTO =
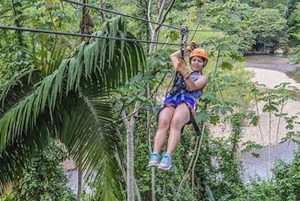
(192, 46)
(183, 69)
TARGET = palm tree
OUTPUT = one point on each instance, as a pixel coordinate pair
(71, 103)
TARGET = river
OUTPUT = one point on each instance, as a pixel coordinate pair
(277, 62)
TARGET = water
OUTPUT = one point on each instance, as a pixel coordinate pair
(261, 168)
(275, 62)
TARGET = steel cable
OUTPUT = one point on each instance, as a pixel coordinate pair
(97, 36)
(133, 17)
(79, 35)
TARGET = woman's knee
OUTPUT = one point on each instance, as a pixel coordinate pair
(165, 117)
(177, 123)
(180, 119)
(164, 122)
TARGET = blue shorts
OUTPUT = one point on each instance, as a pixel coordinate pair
(181, 98)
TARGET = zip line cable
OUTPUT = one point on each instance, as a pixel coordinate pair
(133, 17)
(117, 13)
(80, 35)
(96, 36)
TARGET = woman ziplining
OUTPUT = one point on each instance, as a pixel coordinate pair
(180, 106)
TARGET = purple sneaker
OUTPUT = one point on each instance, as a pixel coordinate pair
(154, 160)
(166, 162)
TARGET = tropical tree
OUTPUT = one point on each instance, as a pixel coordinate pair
(15, 46)
(71, 103)
(268, 27)
(293, 20)
(44, 179)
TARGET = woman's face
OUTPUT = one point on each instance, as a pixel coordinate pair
(197, 63)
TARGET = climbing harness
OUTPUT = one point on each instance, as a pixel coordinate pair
(179, 84)
(178, 76)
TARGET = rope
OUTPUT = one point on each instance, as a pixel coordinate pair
(132, 17)
(79, 35)
(196, 30)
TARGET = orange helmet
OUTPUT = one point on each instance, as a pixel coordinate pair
(199, 52)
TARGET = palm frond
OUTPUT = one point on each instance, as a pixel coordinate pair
(46, 55)
(90, 137)
(18, 87)
(49, 89)
(17, 155)
(101, 64)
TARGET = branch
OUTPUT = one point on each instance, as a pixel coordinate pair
(163, 16)
(122, 106)
(149, 16)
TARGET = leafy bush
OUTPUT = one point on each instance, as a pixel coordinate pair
(44, 179)
(294, 57)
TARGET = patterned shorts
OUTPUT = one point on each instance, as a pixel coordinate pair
(178, 99)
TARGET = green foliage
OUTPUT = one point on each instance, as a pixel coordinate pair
(248, 25)
(268, 26)
(294, 19)
(44, 179)
(72, 104)
(220, 165)
(14, 58)
(80, 119)
(294, 56)
(18, 48)
(287, 179)
(231, 17)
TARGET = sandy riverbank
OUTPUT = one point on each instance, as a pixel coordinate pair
(270, 129)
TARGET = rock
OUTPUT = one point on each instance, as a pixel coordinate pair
(279, 51)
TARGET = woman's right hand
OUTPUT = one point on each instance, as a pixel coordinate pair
(192, 46)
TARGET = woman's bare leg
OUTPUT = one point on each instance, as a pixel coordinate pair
(180, 118)
(164, 121)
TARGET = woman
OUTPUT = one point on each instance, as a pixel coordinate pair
(179, 105)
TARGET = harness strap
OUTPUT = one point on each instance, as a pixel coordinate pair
(196, 127)
(176, 89)
(192, 121)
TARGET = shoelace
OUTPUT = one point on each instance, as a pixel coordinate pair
(155, 156)
(166, 158)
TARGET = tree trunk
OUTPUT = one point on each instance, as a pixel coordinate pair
(130, 162)
(161, 16)
(130, 181)
(79, 185)
(85, 25)
(102, 13)
(86, 22)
